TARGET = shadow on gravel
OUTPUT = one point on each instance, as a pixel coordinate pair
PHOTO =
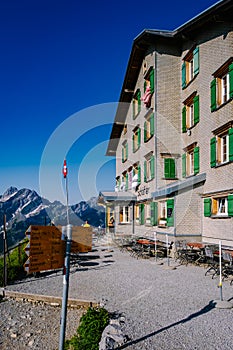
(204, 310)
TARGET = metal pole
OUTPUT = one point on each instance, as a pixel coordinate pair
(5, 253)
(220, 269)
(155, 238)
(168, 263)
(66, 274)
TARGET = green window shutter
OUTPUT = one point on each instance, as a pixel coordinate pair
(196, 109)
(169, 168)
(152, 81)
(183, 75)
(231, 79)
(154, 213)
(145, 172)
(152, 125)
(145, 131)
(142, 214)
(145, 85)
(213, 142)
(133, 143)
(139, 101)
(139, 137)
(126, 150)
(230, 204)
(196, 160)
(213, 92)
(230, 132)
(207, 207)
(184, 165)
(170, 212)
(184, 119)
(139, 174)
(127, 182)
(152, 167)
(196, 60)
(122, 155)
(133, 106)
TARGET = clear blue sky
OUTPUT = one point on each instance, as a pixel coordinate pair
(58, 59)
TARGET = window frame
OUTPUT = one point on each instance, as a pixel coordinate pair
(136, 139)
(136, 103)
(149, 164)
(213, 206)
(190, 66)
(149, 127)
(124, 214)
(124, 151)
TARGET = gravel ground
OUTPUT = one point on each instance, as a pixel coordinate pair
(164, 308)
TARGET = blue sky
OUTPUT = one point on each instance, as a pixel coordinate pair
(64, 60)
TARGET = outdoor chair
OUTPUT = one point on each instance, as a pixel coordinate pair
(227, 269)
(213, 265)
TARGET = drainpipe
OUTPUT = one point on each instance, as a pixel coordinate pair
(133, 218)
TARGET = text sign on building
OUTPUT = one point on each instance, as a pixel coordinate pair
(45, 249)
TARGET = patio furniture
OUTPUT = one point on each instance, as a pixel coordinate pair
(212, 260)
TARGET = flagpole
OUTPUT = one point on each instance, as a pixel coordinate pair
(66, 270)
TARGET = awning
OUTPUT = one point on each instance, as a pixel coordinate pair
(179, 186)
(116, 197)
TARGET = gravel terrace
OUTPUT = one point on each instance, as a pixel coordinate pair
(164, 308)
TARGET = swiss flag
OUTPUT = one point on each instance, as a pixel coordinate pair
(64, 169)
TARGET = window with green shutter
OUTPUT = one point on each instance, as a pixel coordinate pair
(136, 139)
(184, 165)
(196, 109)
(230, 132)
(222, 85)
(170, 212)
(139, 174)
(183, 75)
(136, 103)
(169, 168)
(196, 60)
(141, 214)
(207, 207)
(152, 167)
(213, 142)
(196, 161)
(149, 127)
(124, 151)
(213, 90)
(230, 204)
(184, 127)
(152, 79)
(154, 213)
(190, 66)
(190, 112)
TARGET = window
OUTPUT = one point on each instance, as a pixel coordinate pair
(221, 148)
(154, 213)
(130, 178)
(222, 85)
(148, 87)
(136, 138)
(190, 112)
(190, 161)
(169, 168)
(141, 214)
(124, 151)
(136, 103)
(190, 66)
(149, 127)
(124, 215)
(166, 213)
(218, 206)
(124, 181)
(137, 213)
(149, 167)
(125, 129)
(136, 180)
(118, 184)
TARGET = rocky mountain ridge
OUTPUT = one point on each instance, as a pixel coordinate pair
(25, 207)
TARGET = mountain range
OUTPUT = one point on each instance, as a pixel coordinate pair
(25, 207)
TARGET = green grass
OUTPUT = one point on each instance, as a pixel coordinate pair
(15, 268)
(90, 330)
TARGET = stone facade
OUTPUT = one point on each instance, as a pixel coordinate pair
(174, 196)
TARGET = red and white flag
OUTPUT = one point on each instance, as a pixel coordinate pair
(65, 171)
